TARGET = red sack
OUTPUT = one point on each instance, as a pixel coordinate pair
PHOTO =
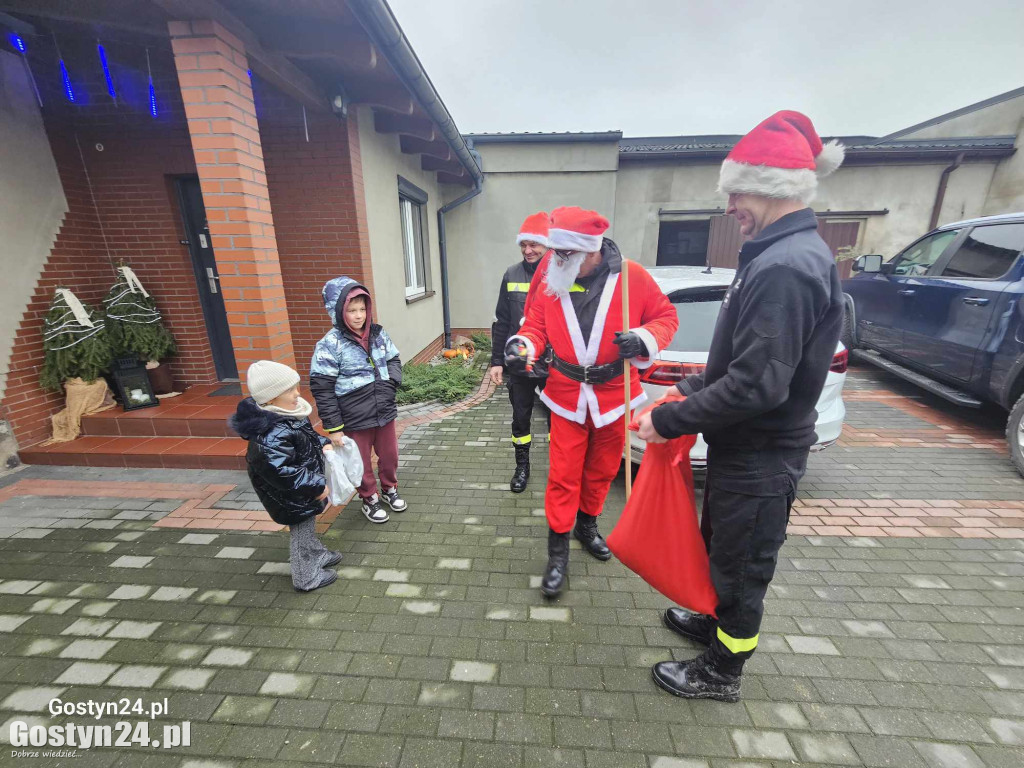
(658, 536)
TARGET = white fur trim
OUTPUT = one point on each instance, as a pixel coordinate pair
(767, 181)
(602, 316)
(831, 157)
(567, 239)
(652, 348)
(542, 239)
(615, 414)
(579, 416)
(531, 351)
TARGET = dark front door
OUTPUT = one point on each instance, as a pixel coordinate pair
(197, 235)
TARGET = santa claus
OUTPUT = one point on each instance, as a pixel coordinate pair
(578, 310)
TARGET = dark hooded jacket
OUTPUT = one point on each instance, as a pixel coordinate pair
(773, 344)
(354, 387)
(285, 461)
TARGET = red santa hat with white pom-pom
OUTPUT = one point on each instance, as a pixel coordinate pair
(574, 229)
(535, 229)
(783, 157)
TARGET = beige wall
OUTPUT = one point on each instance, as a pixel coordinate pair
(1006, 192)
(482, 232)
(32, 204)
(908, 191)
(411, 326)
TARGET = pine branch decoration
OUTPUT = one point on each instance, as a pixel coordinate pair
(73, 349)
(134, 324)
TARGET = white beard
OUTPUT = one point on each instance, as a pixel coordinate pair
(560, 275)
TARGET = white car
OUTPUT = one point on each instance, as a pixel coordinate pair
(697, 295)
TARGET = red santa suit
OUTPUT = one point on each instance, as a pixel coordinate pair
(587, 430)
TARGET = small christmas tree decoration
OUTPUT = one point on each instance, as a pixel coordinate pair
(134, 324)
(74, 342)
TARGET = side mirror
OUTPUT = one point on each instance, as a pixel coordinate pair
(869, 263)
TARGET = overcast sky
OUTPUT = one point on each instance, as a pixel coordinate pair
(671, 67)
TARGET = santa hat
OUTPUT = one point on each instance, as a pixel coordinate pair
(783, 157)
(574, 229)
(535, 228)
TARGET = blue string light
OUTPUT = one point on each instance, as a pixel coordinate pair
(18, 42)
(68, 90)
(152, 91)
(106, 72)
(250, 73)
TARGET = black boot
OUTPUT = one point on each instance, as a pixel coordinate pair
(557, 571)
(695, 626)
(705, 677)
(588, 535)
(522, 473)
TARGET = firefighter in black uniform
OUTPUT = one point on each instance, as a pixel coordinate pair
(508, 316)
(773, 345)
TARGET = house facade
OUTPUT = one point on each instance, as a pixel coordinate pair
(236, 155)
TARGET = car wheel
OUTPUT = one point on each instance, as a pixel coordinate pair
(846, 334)
(1015, 435)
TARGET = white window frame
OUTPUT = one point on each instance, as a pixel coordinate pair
(412, 203)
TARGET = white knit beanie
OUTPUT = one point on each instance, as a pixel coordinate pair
(267, 379)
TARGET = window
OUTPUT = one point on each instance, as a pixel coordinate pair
(697, 311)
(918, 258)
(412, 203)
(683, 243)
(987, 253)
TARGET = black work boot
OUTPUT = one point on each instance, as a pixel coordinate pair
(695, 626)
(522, 473)
(705, 677)
(588, 535)
(557, 571)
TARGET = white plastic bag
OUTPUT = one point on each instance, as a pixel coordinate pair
(344, 469)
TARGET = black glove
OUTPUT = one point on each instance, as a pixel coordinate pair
(630, 345)
(515, 356)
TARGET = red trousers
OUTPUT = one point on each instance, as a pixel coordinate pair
(385, 443)
(584, 460)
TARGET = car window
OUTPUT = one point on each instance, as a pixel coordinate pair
(918, 258)
(987, 252)
(697, 313)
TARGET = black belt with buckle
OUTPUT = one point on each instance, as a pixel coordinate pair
(587, 374)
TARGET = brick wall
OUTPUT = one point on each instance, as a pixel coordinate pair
(137, 207)
(319, 208)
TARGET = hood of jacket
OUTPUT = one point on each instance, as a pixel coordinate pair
(611, 255)
(250, 421)
(336, 293)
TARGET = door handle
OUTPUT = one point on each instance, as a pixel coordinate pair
(975, 301)
(214, 279)
(906, 292)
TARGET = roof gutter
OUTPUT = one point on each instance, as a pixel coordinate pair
(380, 24)
(940, 193)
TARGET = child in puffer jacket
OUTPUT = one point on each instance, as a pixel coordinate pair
(286, 466)
(354, 376)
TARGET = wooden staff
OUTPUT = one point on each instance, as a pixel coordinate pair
(625, 378)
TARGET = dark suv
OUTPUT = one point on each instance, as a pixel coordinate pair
(946, 314)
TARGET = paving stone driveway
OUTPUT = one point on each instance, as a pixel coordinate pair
(434, 648)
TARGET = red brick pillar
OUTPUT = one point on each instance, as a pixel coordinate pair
(212, 73)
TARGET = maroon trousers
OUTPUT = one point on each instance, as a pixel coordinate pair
(384, 442)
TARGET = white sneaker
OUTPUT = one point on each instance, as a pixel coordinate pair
(393, 500)
(373, 510)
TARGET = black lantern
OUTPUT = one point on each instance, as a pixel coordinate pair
(132, 384)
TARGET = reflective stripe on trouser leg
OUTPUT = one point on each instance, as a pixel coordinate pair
(521, 397)
(524, 440)
(565, 474)
(737, 645)
(604, 455)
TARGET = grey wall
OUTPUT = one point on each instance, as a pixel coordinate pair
(32, 203)
(411, 326)
(520, 179)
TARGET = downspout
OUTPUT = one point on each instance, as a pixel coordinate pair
(940, 193)
(442, 243)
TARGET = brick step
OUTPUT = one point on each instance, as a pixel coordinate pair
(151, 452)
(209, 421)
